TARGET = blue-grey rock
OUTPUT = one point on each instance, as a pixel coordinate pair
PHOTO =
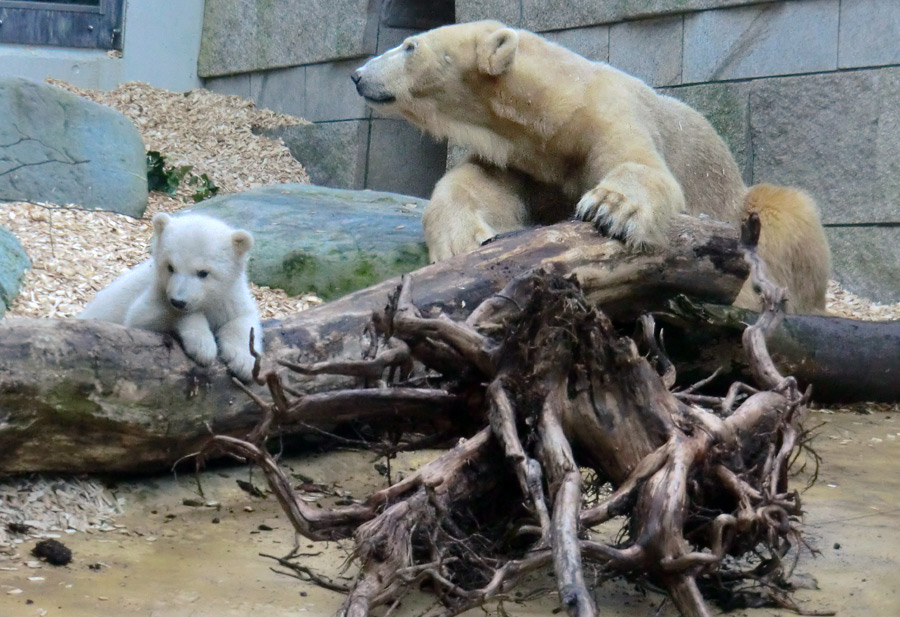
(58, 147)
(13, 264)
(327, 241)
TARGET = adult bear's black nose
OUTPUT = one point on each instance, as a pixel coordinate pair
(179, 304)
(356, 76)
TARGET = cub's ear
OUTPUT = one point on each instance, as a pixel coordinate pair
(160, 220)
(242, 242)
(497, 51)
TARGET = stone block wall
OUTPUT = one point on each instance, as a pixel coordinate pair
(805, 92)
(296, 56)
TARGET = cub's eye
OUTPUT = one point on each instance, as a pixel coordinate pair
(202, 274)
(410, 46)
(171, 269)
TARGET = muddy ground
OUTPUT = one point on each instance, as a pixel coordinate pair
(178, 560)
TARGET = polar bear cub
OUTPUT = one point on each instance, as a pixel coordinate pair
(194, 285)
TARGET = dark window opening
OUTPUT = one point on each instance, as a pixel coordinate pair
(92, 24)
(418, 15)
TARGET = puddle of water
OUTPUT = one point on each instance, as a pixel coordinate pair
(177, 561)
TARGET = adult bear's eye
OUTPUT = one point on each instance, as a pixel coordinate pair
(202, 273)
(410, 46)
(171, 269)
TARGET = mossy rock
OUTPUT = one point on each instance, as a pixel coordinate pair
(323, 240)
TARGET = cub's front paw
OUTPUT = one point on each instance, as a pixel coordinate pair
(618, 216)
(200, 347)
(238, 360)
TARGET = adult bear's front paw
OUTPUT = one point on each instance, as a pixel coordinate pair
(618, 216)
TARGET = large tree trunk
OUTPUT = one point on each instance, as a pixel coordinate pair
(88, 396)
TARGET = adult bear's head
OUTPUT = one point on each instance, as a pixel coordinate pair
(441, 75)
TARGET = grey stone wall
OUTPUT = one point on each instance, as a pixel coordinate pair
(296, 56)
(806, 92)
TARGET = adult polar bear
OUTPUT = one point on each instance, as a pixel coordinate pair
(548, 128)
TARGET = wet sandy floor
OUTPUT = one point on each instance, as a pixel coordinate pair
(174, 560)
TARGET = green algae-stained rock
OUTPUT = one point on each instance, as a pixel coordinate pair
(328, 241)
(13, 264)
(58, 147)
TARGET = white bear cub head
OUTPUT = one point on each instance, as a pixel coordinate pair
(198, 260)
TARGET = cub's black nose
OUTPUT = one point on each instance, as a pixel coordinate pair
(356, 76)
(179, 304)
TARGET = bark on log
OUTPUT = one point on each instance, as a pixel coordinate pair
(844, 360)
(78, 396)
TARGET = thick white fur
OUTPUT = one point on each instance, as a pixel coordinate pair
(552, 134)
(194, 285)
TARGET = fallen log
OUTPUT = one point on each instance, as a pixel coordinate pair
(81, 396)
(844, 360)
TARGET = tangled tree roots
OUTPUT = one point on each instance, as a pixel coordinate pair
(702, 482)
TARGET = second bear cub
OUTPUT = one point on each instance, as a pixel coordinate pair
(195, 286)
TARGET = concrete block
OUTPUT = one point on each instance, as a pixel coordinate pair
(866, 260)
(333, 153)
(330, 93)
(507, 11)
(768, 39)
(248, 35)
(388, 37)
(649, 49)
(402, 159)
(887, 144)
(281, 90)
(870, 33)
(591, 42)
(727, 107)
(542, 15)
(821, 133)
(230, 84)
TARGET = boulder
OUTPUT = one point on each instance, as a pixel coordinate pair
(323, 240)
(58, 147)
(13, 264)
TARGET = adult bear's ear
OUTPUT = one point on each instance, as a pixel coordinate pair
(242, 242)
(497, 51)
